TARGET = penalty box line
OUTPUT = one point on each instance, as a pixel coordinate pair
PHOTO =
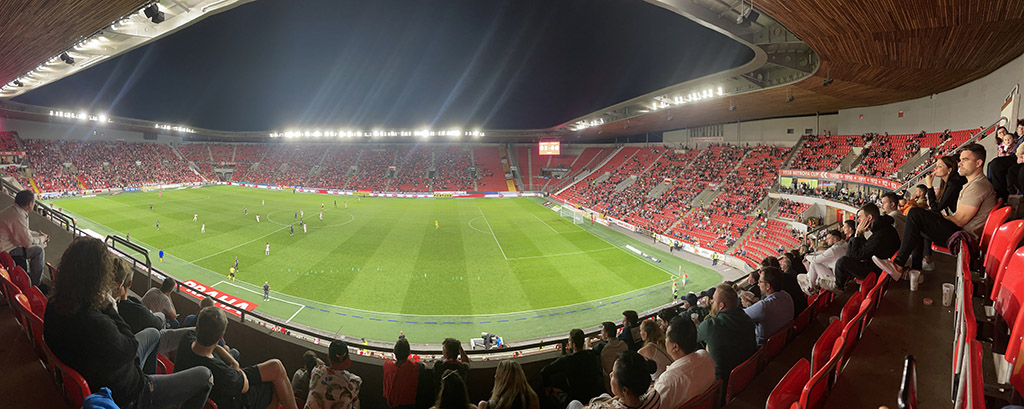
(492, 233)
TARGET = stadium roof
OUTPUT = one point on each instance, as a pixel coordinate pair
(877, 52)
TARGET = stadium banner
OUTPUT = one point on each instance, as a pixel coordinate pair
(200, 291)
(844, 177)
(622, 224)
(12, 153)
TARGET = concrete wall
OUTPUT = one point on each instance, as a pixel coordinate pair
(75, 131)
(766, 131)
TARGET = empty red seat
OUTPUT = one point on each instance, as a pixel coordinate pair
(789, 388)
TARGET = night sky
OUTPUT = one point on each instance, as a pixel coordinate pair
(275, 65)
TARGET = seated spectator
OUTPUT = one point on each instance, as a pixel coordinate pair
(300, 379)
(333, 386)
(775, 310)
(610, 347)
(665, 316)
(136, 315)
(976, 200)
(952, 182)
(511, 391)
(84, 331)
(453, 393)
(654, 346)
(631, 386)
(692, 371)
(849, 228)
(890, 207)
(630, 332)
(19, 241)
(402, 378)
(791, 285)
(883, 243)
(578, 376)
(728, 332)
(1001, 169)
(190, 320)
(265, 385)
(454, 358)
(821, 265)
(159, 301)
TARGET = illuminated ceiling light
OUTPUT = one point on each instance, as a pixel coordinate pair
(153, 13)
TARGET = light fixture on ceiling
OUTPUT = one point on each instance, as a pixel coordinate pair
(746, 15)
(67, 58)
(828, 78)
(153, 13)
(789, 95)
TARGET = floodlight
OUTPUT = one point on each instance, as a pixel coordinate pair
(66, 58)
(153, 13)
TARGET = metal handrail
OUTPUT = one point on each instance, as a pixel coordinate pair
(112, 241)
(974, 138)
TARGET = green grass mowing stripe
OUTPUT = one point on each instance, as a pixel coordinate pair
(234, 228)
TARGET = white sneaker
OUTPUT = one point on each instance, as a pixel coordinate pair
(927, 266)
(888, 266)
(828, 283)
(805, 284)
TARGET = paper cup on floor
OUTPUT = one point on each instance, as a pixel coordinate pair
(914, 276)
(947, 294)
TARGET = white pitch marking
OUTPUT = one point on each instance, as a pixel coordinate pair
(564, 254)
(257, 292)
(296, 313)
(240, 245)
(492, 233)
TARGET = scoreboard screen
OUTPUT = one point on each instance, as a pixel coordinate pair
(549, 148)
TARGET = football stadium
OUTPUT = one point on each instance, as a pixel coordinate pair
(534, 204)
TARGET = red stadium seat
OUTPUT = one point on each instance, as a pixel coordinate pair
(72, 384)
(8, 287)
(822, 349)
(1004, 242)
(37, 300)
(868, 283)
(33, 325)
(818, 386)
(707, 400)
(995, 218)
(742, 374)
(803, 320)
(6, 260)
(164, 364)
(789, 388)
(775, 343)
(20, 279)
(851, 333)
(851, 307)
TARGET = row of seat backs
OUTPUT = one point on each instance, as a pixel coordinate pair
(808, 383)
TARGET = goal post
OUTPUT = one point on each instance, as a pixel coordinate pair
(577, 216)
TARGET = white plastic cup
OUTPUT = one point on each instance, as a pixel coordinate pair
(947, 294)
(914, 278)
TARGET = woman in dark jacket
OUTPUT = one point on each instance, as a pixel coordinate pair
(83, 329)
(952, 183)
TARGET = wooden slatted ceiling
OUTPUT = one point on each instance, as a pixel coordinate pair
(878, 52)
(32, 31)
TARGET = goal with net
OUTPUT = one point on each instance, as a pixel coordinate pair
(577, 216)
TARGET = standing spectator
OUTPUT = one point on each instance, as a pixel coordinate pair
(578, 375)
(159, 301)
(260, 386)
(19, 241)
(883, 243)
(631, 386)
(976, 200)
(728, 332)
(511, 391)
(334, 386)
(300, 379)
(454, 358)
(401, 378)
(654, 346)
(84, 331)
(692, 372)
(453, 393)
(775, 310)
(630, 332)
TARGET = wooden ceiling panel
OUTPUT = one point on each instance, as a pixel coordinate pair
(34, 30)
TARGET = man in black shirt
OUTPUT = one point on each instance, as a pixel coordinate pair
(255, 387)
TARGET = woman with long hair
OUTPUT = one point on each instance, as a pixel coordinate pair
(945, 199)
(83, 329)
(510, 389)
(453, 393)
(654, 346)
(631, 385)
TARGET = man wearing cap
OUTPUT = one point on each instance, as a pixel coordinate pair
(334, 386)
(265, 385)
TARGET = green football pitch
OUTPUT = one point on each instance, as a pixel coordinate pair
(375, 266)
